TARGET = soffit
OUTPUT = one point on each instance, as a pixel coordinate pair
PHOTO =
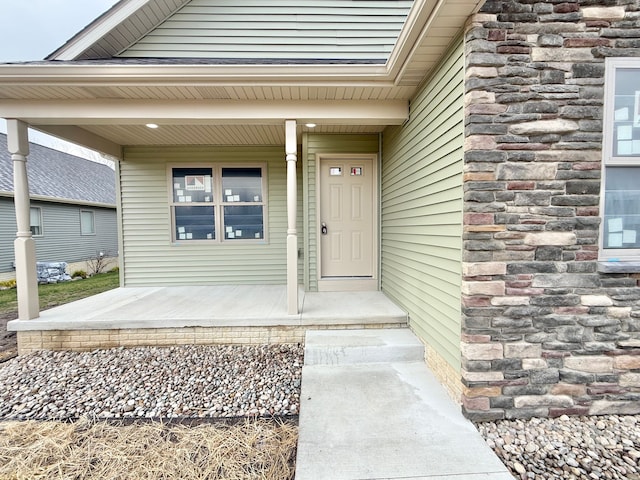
(441, 28)
(37, 91)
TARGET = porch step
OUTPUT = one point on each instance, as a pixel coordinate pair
(350, 347)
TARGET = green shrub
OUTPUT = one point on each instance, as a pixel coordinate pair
(79, 273)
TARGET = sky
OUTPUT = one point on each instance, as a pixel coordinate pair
(32, 29)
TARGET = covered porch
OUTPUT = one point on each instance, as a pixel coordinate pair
(153, 112)
(165, 316)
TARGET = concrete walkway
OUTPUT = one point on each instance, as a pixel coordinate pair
(371, 409)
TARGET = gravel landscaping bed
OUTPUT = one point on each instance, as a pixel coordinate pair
(253, 381)
(185, 381)
(602, 447)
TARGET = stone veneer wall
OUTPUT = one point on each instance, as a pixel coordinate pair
(544, 334)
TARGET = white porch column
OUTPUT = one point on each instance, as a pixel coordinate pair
(291, 149)
(24, 245)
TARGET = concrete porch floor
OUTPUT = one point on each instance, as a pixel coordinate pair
(214, 306)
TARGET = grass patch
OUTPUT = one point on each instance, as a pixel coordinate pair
(55, 294)
(253, 449)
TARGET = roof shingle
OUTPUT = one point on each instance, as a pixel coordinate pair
(59, 175)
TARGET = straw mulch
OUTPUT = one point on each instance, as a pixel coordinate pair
(251, 449)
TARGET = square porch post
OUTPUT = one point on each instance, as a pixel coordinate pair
(24, 244)
(291, 146)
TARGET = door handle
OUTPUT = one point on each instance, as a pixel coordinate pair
(324, 228)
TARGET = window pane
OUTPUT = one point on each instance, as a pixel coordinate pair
(243, 222)
(191, 185)
(194, 223)
(87, 225)
(622, 208)
(626, 131)
(242, 184)
(35, 220)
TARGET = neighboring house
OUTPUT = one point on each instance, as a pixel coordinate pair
(476, 161)
(72, 214)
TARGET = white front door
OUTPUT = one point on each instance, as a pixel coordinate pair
(347, 218)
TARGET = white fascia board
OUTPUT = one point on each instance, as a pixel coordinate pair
(192, 75)
(66, 201)
(70, 201)
(98, 29)
(133, 112)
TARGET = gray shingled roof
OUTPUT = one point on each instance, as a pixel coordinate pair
(60, 175)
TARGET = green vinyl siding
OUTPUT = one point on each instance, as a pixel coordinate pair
(422, 165)
(277, 29)
(312, 146)
(150, 257)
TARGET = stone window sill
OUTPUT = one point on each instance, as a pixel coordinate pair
(618, 267)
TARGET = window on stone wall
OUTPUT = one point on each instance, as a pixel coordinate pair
(620, 202)
(218, 203)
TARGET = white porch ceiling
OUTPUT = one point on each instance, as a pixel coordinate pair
(212, 134)
(45, 106)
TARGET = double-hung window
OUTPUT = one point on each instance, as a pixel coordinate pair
(218, 203)
(35, 221)
(87, 222)
(192, 206)
(620, 202)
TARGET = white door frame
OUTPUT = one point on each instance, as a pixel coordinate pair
(346, 283)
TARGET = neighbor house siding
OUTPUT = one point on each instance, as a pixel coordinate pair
(61, 240)
(294, 29)
(422, 165)
(312, 146)
(150, 257)
(7, 237)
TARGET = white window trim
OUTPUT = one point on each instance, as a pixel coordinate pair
(218, 203)
(610, 259)
(93, 216)
(41, 223)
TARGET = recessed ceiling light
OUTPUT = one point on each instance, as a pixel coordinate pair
(310, 125)
(152, 125)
